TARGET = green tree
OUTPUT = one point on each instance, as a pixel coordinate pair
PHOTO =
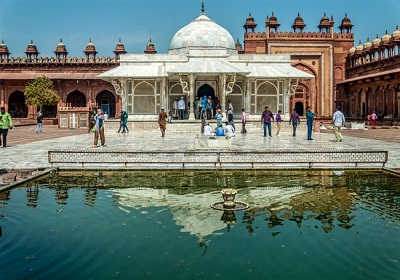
(40, 91)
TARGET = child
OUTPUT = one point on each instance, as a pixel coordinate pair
(170, 116)
(278, 119)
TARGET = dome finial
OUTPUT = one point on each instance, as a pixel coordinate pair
(202, 8)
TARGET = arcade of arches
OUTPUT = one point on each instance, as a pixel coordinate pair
(73, 93)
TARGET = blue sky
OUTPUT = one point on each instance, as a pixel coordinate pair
(135, 21)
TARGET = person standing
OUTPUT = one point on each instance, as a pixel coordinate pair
(229, 116)
(5, 125)
(99, 132)
(92, 121)
(294, 120)
(196, 107)
(175, 107)
(338, 122)
(126, 116)
(244, 120)
(162, 121)
(230, 106)
(39, 120)
(219, 117)
(267, 117)
(121, 121)
(278, 122)
(310, 119)
(181, 108)
(373, 118)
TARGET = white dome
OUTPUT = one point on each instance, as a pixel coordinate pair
(201, 33)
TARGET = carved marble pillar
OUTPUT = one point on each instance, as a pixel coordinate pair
(247, 96)
(187, 83)
(191, 97)
(222, 83)
(163, 93)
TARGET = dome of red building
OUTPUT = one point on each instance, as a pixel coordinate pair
(298, 23)
(90, 48)
(3, 48)
(119, 48)
(386, 37)
(376, 41)
(61, 49)
(367, 44)
(250, 23)
(150, 48)
(31, 49)
(396, 33)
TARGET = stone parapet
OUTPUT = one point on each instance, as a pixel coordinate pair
(218, 158)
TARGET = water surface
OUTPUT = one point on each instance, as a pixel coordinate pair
(159, 225)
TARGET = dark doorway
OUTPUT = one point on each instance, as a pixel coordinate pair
(16, 105)
(299, 106)
(76, 99)
(49, 111)
(207, 91)
(106, 101)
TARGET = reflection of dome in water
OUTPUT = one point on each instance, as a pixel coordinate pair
(193, 212)
(201, 33)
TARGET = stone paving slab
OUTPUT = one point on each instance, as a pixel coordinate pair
(31, 151)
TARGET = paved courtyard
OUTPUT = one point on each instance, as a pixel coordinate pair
(26, 149)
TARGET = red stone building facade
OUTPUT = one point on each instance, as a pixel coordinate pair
(372, 78)
(74, 79)
(321, 53)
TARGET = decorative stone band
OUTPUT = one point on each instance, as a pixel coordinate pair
(218, 158)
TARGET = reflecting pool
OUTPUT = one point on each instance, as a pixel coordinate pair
(159, 225)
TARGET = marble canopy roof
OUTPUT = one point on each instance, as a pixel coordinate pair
(165, 65)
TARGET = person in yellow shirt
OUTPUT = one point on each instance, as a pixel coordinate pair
(5, 124)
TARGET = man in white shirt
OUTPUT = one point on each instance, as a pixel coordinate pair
(229, 130)
(338, 122)
(208, 131)
(181, 108)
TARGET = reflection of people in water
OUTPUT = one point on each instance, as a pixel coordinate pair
(61, 196)
(4, 196)
(32, 195)
(90, 197)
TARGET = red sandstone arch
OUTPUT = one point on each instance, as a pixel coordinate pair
(76, 98)
(16, 105)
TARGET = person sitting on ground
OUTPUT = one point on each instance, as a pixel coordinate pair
(229, 130)
(220, 130)
(208, 131)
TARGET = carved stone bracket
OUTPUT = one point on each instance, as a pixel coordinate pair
(230, 82)
(119, 86)
(186, 82)
(293, 83)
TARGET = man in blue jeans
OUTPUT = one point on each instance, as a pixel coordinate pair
(310, 118)
(267, 117)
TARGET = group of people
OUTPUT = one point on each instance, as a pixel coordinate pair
(208, 105)
(179, 107)
(267, 117)
(228, 131)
